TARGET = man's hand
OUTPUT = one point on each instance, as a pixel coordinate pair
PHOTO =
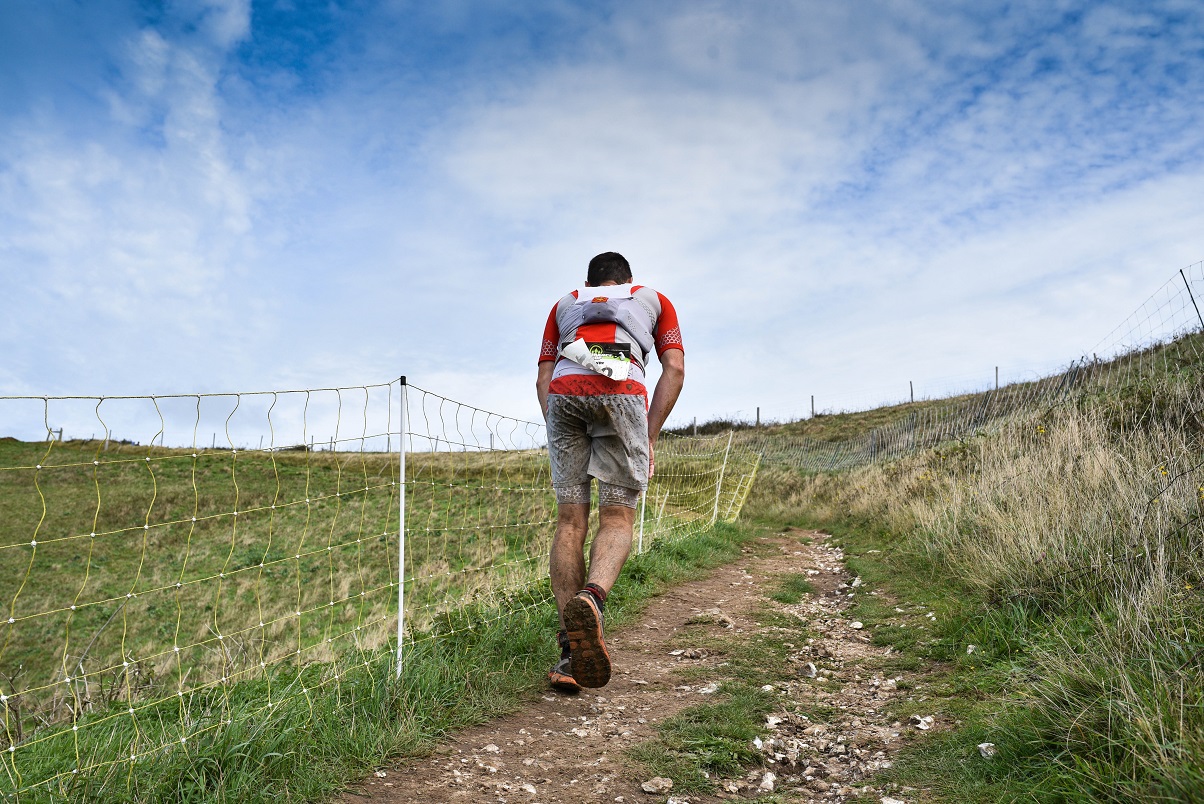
(651, 459)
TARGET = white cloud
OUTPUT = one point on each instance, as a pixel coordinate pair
(224, 22)
(137, 229)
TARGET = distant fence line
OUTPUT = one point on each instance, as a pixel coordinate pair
(1159, 338)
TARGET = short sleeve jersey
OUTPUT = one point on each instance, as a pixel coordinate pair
(570, 379)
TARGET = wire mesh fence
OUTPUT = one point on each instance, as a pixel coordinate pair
(150, 580)
(205, 557)
(913, 427)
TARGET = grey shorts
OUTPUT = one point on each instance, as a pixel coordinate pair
(603, 437)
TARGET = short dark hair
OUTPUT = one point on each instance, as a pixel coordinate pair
(611, 266)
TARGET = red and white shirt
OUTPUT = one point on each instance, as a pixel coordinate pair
(571, 379)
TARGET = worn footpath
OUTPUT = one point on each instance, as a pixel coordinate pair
(824, 742)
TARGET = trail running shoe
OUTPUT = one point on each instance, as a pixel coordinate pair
(583, 622)
(561, 676)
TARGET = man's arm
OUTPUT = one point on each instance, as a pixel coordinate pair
(543, 380)
(668, 388)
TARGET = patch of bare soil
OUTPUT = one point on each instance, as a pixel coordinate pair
(561, 748)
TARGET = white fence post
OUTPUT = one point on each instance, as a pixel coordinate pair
(401, 529)
(643, 505)
(722, 469)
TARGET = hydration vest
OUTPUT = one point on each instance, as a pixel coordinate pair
(634, 320)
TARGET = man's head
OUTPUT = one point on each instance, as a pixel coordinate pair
(608, 267)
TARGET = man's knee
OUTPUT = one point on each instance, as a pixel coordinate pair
(614, 516)
(572, 520)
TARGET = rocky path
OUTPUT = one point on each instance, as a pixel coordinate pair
(828, 738)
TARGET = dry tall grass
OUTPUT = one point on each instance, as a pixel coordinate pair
(1087, 516)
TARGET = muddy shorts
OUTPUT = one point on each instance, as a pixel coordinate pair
(603, 437)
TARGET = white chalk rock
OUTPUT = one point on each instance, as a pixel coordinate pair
(657, 784)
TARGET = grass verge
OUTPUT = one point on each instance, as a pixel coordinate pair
(988, 670)
(1050, 573)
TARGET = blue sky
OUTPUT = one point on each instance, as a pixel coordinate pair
(213, 195)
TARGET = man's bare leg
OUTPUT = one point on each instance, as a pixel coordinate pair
(607, 554)
(581, 613)
(567, 559)
(611, 546)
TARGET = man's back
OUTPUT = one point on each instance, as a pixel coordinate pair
(634, 320)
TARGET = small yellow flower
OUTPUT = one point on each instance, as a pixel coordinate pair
(1187, 586)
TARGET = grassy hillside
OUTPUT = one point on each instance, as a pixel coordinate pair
(1067, 546)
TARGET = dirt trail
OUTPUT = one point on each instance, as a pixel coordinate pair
(561, 748)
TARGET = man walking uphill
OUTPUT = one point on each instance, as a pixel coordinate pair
(596, 344)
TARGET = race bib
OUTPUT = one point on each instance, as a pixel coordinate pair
(608, 359)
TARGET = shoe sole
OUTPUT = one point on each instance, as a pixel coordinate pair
(563, 683)
(591, 662)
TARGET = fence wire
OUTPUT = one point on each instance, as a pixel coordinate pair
(200, 558)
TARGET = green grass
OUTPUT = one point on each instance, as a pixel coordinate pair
(239, 578)
(1002, 692)
(707, 740)
(791, 588)
(208, 567)
(205, 565)
(310, 745)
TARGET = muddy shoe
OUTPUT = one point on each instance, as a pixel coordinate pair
(561, 676)
(583, 622)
